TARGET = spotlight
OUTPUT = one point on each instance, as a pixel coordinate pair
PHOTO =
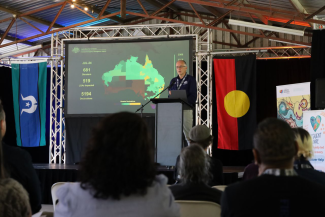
(73, 0)
(72, 6)
(86, 9)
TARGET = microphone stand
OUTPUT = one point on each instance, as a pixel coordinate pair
(141, 108)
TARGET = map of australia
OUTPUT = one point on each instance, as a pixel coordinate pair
(143, 80)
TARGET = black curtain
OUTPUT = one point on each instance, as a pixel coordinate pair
(38, 154)
(317, 61)
(270, 73)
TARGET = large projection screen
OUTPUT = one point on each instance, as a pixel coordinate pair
(104, 77)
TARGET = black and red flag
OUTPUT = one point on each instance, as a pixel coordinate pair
(235, 81)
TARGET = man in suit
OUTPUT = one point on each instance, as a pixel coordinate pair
(18, 165)
(278, 191)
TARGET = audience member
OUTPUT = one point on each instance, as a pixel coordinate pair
(19, 167)
(305, 152)
(251, 171)
(194, 172)
(278, 190)
(117, 175)
(14, 201)
(200, 135)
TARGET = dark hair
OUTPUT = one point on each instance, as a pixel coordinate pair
(203, 143)
(274, 140)
(119, 158)
(2, 168)
(194, 165)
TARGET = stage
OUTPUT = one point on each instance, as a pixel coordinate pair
(51, 173)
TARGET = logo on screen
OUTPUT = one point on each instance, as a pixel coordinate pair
(281, 91)
(76, 50)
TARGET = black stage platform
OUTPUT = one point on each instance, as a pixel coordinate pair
(51, 173)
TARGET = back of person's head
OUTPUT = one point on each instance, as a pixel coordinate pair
(14, 200)
(305, 143)
(119, 158)
(200, 134)
(275, 142)
(194, 165)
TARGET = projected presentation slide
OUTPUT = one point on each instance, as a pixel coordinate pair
(103, 78)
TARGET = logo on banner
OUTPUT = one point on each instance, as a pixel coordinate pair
(315, 122)
(284, 91)
(76, 50)
(31, 104)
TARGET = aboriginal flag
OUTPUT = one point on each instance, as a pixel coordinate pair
(235, 81)
(29, 98)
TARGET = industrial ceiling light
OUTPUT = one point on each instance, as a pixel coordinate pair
(86, 8)
(72, 6)
(20, 51)
(266, 27)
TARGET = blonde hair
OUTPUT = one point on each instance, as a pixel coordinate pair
(305, 143)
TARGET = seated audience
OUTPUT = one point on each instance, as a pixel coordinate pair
(194, 172)
(200, 135)
(305, 152)
(278, 190)
(14, 201)
(118, 175)
(19, 167)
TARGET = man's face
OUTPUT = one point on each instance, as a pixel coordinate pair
(181, 68)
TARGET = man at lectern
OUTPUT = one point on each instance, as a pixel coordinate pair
(184, 81)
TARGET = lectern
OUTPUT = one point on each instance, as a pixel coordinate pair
(169, 129)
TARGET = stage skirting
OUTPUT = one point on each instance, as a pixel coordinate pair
(51, 173)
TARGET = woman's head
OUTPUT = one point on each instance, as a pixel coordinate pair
(119, 158)
(194, 165)
(305, 143)
(200, 134)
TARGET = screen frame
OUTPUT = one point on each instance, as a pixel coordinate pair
(67, 42)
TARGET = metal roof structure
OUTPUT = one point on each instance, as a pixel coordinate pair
(31, 22)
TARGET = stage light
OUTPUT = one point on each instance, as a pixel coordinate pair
(20, 51)
(266, 27)
(72, 6)
(86, 9)
(73, 0)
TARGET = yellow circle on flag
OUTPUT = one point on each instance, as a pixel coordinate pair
(236, 103)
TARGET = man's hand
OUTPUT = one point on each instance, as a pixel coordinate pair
(170, 93)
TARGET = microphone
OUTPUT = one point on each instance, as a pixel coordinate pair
(171, 84)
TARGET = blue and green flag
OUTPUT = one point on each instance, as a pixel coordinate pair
(29, 97)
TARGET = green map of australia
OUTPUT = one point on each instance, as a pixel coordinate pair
(144, 80)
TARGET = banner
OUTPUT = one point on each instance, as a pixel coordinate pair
(314, 123)
(29, 98)
(235, 81)
(292, 101)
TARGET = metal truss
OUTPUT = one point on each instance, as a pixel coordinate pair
(203, 45)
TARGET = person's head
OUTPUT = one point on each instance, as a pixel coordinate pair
(194, 165)
(119, 158)
(305, 143)
(181, 68)
(14, 200)
(274, 144)
(200, 135)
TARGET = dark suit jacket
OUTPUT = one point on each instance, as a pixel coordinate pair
(216, 170)
(19, 166)
(310, 173)
(195, 191)
(273, 196)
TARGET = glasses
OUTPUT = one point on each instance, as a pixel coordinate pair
(179, 67)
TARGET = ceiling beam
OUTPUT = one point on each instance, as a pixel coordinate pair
(93, 8)
(217, 28)
(123, 9)
(253, 11)
(159, 5)
(315, 13)
(300, 9)
(171, 6)
(56, 17)
(10, 38)
(143, 8)
(260, 17)
(162, 8)
(33, 18)
(7, 30)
